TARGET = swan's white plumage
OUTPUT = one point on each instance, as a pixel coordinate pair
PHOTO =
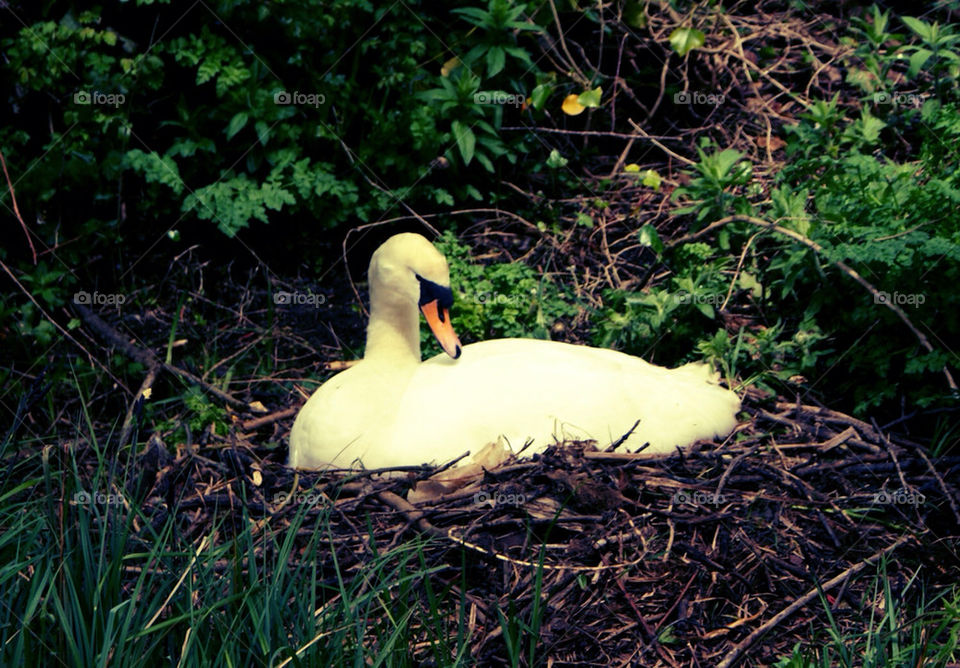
(391, 410)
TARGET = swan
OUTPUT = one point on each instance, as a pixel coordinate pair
(390, 409)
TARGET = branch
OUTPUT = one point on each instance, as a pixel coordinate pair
(149, 359)
(16, 209)
(734, 654)
(58, 326)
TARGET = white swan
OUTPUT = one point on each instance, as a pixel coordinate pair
(391, 409)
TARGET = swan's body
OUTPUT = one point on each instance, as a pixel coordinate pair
(391, 410)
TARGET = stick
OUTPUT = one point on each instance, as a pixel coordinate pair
(734, 654)
(16, 209)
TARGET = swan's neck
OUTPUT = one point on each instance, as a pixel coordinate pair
(393, 332)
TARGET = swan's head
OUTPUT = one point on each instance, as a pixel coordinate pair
(408, 269)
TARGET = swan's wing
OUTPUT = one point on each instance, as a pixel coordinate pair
(524, 388)
(347, 418)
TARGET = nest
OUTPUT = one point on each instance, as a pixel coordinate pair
(622, 559)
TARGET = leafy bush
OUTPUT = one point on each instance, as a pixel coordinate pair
(499, 300)
(224, 122)
(134, 122)
(889, 218)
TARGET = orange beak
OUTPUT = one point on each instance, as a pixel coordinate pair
(439, 320)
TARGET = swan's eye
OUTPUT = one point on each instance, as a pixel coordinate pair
(430, 291)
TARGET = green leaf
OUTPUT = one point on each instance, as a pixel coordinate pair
(929, 110)
(473, 15)
(555, 160)
(485, 161)
(263, 132)
(724, 160)
(748, 281)
(648, 237)
(441, 196)
(539, 96)
(207, 70)
(155, 169)
(932, 361)
(274, 197)
(496, 59)
(520, 54)
(921, 28)
(590, 98)
(918, 59)
(230, 76)
(236, 124)
(651, 179)
(870, 126)
(584, 219)
(466, 140)
(684, 40)
(633, 14)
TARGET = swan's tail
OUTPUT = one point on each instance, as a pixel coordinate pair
(687, 405)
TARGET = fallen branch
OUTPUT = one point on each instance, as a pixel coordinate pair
(153, 364)
(734, 654)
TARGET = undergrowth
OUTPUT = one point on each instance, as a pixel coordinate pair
(88, 579)
(138, 137)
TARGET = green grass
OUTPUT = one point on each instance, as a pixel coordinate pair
(903, 628)
(96, 584)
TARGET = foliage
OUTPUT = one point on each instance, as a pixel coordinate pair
(891, 221)
(713, 190)
(134, 122)
(889, 217)
(236, 140)
(499, 300)
(112, 583)
(204, 127)
(204, 413)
